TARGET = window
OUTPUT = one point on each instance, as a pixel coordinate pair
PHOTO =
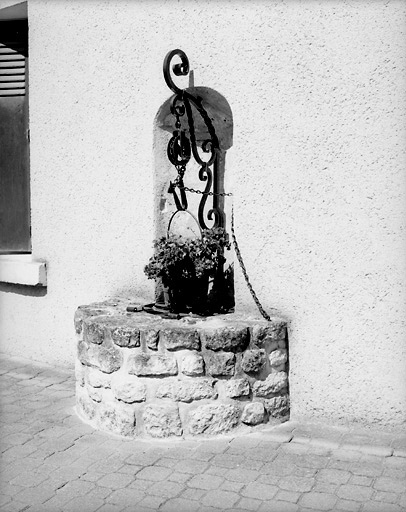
(15, 234)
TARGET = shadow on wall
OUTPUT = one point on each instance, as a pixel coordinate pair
(27, 291)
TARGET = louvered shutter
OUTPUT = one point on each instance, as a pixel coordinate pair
(12, 72)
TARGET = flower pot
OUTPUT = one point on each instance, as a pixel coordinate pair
(188, 295)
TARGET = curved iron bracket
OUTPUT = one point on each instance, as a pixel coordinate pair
(180, 148)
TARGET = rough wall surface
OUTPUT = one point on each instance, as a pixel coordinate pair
(316, 168)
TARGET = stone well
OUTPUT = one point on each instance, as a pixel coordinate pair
(140, 375)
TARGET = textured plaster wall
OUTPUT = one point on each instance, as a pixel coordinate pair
(317, 169)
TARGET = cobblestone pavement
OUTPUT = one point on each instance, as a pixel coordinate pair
(52, 462)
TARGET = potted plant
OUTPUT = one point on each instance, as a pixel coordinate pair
(187, 267)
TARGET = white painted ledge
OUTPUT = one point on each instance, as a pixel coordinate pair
(22, 269)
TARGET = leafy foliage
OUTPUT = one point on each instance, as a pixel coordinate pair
(178, 258)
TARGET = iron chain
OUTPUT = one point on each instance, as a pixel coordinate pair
(236, 248)
(244, 271)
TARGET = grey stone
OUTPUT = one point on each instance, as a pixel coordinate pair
(125, 336)
(176, 338)
(151, 337)
(187, 390)
(235, 388)
(128, 389)
(162, 420)
(93, 331)
(80, 371)
(213, 418)
(272, 384)
(278, 406)
(84, 312)
(110, 359)
(97, 379)
(152, 365)
(192, 364)
(263, 335)
(86, 406)
(253, 413)
(232, 339)
(278, 357)
(253, 360)
(88, 354)
(220, 363)
(94, 393)
(117, 418)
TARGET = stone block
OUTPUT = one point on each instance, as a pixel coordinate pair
(86, 406)
(155, 365)
(263, 335)
(236, 388)
(278, 357)
(88, 354)
(220, 363)
(151, 337)
(162, 420)
(274, 383)
(93, 331)
(97, 379)
(187, 390)
(125, 336)
(80, 373)
(213, 418)
(192, 364)
(230, 339)
(84, 312)
(110, 359)
(94, 393)
(278, 406)
(253, 413)
(128, 389)
(253, 360)
(117, 418)
(176, 339)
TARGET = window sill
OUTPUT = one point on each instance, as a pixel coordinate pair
(22, 269)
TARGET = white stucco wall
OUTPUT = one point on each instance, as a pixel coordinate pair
(317, 170)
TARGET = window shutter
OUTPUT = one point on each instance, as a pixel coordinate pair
(12, 72)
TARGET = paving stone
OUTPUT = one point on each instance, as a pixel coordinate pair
(389, 485)
(154, 473)
(348, 505)
(241, 475)
(318, 501)
(115, 480)
(255, 489)
(179, 477)
(206, 481)
(165, 489)
(387, 497)
(249, 504)
(336, 476)
(180, 505)
(297, 484)
(279, 506)
(220, 499)
(290, 496)
(375, 506)
(193, 494)
(190, 466)
(354, 492)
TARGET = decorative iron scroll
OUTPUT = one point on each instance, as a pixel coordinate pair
(181, 147)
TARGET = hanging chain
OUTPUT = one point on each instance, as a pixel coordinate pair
(195, 191)
(244, 271)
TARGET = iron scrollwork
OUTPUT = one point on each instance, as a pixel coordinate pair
(181, 147)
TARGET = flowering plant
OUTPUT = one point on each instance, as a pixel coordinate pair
(177, 257)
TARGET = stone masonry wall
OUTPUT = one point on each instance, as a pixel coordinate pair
(140, 375)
